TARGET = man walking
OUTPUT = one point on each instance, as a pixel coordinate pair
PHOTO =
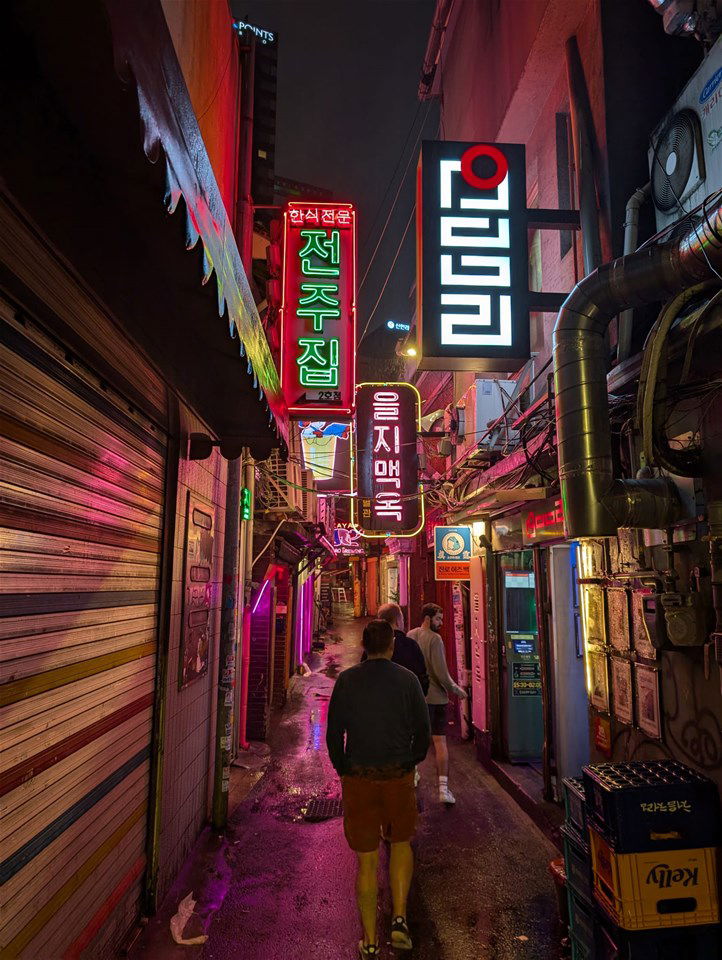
(440, 686)
(379, 707)
(407, 652)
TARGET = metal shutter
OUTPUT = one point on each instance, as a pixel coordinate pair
(81, 507)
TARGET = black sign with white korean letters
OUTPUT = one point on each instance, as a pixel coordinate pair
(388, 500)
(472, 256)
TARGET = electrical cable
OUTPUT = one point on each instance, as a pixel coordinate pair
(392, 178)
(395, 200)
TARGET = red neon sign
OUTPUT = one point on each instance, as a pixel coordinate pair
(318, 313)
(546, 524)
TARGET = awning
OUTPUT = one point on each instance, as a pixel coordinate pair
(99, 144)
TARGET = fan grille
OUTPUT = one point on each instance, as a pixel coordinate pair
(674, 156)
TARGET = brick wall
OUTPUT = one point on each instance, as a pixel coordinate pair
(190, 713)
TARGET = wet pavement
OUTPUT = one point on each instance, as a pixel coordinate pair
(280, 887)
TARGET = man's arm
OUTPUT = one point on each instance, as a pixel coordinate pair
(335, 727)
(419, 724)
(420, 666)
(441, 671)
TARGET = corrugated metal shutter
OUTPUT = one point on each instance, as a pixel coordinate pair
(81, 508)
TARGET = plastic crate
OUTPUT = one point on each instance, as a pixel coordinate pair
(648, 891)
(652, 805)
(581, 951)
(577, 863)
(582, 923)
(696, 943)
(574, 803)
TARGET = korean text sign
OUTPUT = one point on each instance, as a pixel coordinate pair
(318, 314)
(472, 256)
(452, 553)
(388, 500)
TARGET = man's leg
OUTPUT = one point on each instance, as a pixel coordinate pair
(401, 870)
(441, 752)
(367, 890)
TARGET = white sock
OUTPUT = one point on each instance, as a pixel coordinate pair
(443, 782)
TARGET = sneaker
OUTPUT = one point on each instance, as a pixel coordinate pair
(400, 937)
(446, 796)
(368, 950)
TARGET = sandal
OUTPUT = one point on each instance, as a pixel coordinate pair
(400, 936)
(367, 950)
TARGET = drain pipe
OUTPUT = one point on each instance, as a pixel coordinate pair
(595, 503)
(631, 236)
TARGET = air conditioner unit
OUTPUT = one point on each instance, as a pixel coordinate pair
(280, 493)
(308, 496)
(685, 155)
(483, 403)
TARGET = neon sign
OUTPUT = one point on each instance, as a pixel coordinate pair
(265, 36)
(388, 500)
(544, 524)
(318, 313)
(472, 256)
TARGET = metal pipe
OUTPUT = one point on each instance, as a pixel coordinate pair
(631, 237)
(595, 503)
(442, 15)
(231, 594)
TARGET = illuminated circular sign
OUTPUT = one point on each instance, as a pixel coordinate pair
(484, 150)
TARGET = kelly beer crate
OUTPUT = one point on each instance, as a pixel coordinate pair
(577, 863)
(574, 803)
(655, 889)
(646, 805)
(681, 943)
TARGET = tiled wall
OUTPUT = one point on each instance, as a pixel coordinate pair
(191, 713)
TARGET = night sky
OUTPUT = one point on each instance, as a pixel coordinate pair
(348, 72)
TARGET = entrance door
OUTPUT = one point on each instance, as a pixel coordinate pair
(571, 735)
(521, 674)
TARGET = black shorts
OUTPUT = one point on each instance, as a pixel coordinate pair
(437, 718)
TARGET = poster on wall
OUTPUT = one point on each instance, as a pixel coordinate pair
(452, 553)
(649, 717)
(197, 593)
(643, 646)
(618, 621)
(318, 309)
(472, 256)
(622, 689)
(387, 499)
(598, 680)
(595, 632)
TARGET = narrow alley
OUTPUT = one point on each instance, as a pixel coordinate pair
(481, 891)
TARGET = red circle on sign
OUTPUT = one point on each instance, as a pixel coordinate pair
(484, 150)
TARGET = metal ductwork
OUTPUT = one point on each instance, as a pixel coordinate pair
(595, 503)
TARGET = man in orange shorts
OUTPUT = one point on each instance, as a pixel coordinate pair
(379, 708)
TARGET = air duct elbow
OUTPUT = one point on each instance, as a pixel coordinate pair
(595, 503)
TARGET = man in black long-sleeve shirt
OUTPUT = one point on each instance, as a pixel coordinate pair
(379, 708)
(407, 653)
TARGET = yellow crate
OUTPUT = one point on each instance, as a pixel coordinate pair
(649, 891)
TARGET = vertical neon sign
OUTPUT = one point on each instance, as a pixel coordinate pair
(387, 497)
(318, 313)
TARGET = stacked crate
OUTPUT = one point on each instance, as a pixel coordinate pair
(578, 867)
(653, 828)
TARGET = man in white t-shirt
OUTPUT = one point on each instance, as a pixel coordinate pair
(440, 686)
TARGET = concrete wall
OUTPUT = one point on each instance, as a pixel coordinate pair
(207, 49)
(191, 712)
